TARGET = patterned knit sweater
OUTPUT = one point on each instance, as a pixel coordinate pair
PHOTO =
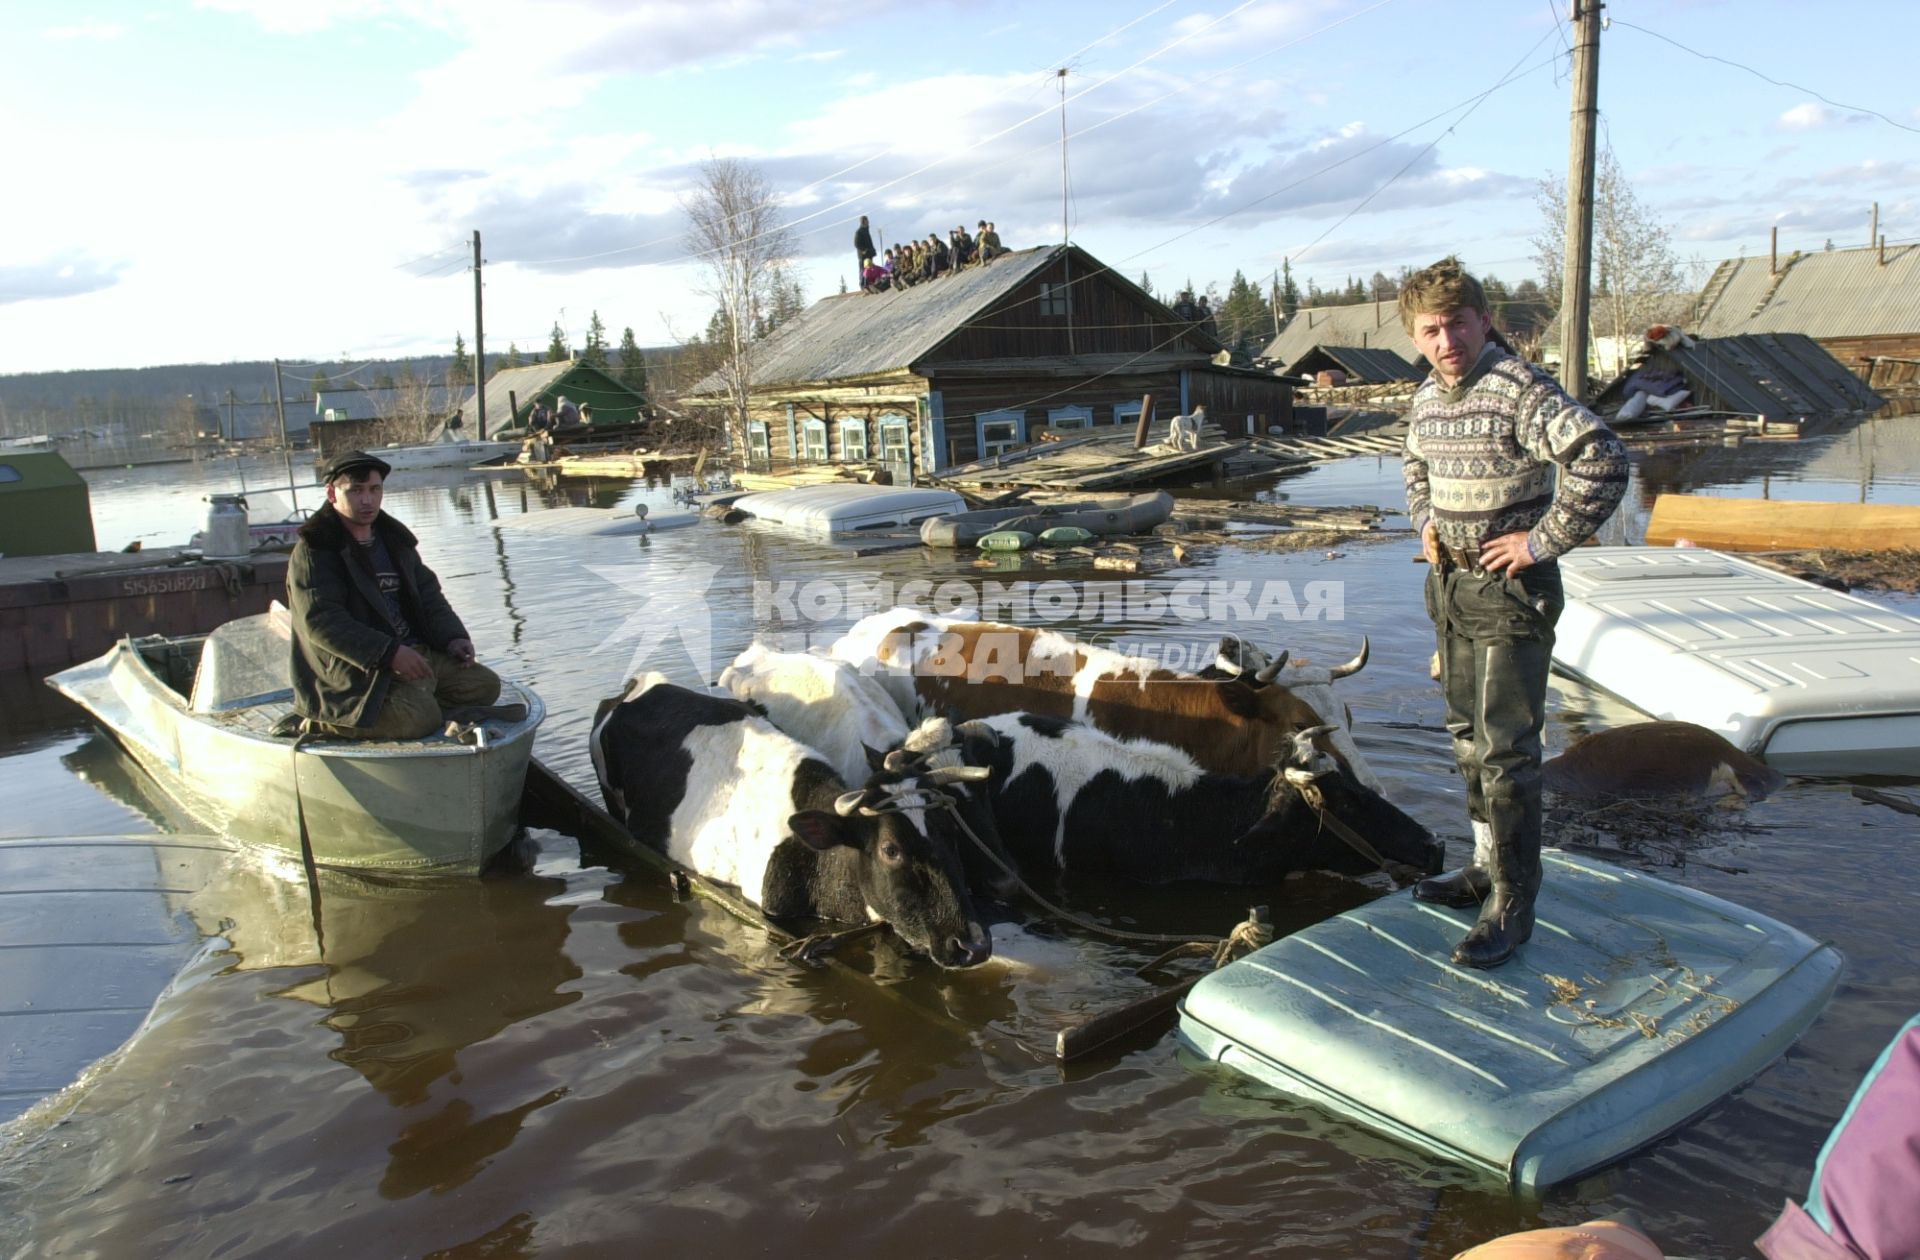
(1481, 459)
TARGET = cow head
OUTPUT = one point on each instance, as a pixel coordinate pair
(1293, 822)
(901, 827)
(1276, 707)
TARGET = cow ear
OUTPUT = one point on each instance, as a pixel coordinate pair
(876, 760)
(1241, 698)
(818, 829)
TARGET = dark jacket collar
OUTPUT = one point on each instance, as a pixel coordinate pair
(325, 530)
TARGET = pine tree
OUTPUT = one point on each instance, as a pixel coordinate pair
(1244, 318)
(460, 371)
(512, 359)
(633, 365)
(319, 383)
(1146, 285)
(557, 351)
(1289, 289)
(595, 353)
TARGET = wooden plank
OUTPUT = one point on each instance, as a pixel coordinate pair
(1778, 524)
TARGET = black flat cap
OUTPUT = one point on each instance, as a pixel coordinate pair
(354, 461)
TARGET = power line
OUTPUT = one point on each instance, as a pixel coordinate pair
(1769, 78)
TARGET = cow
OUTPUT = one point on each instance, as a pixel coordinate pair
(712, 783)
(1659, 759)
(1231, 723)
(826, 704)
(1066, 796)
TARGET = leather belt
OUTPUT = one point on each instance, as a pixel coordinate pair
(1467, 559)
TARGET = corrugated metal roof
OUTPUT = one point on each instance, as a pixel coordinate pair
(523, 383)
(1369, 325)
(1836, 293)
(1363, 364)
(1766, 374)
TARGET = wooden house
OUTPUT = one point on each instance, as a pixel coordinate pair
(978, 362)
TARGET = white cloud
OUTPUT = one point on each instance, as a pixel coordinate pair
(1805, 117)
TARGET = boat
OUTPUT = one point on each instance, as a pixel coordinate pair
(1636, 1005)
(849, 510)
(444, 451)
(1809, 680)
(200, 714)
(1135, 514)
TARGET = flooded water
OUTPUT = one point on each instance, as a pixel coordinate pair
(573, 1061)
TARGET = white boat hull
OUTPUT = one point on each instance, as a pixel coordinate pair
(416, 806)
(442, 454)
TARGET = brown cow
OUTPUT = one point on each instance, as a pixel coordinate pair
(1228, 724)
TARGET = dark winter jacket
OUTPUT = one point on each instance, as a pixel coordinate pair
(343, 640)
(863, 241)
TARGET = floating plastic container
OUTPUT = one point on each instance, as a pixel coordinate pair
(1006, 540)
(1636, 1005)
(226, 536)
(1065, 536)
(1810, 680)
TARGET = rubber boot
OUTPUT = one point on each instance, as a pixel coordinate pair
(1467, 886)
(1506, 917)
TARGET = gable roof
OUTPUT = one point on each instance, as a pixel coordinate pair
(1765, 374)
(1369, 366)
(370, 402)
(1833, 293)
(1368, 325)
(852, 335)
(523, 383)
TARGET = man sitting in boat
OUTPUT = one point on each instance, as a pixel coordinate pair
(377, 650)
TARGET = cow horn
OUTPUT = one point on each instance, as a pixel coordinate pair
(958, 774)
(847, 802)
(1271, 670)
(1355, 665)
(898, 760)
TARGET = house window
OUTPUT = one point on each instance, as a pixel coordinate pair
(1053, 300)
(896, 450)
(1070, 417)
(1000, 431)
(1127, 414)
(759, 445)
(853, 441)
(813, 442)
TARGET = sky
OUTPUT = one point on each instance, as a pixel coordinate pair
(220, 180)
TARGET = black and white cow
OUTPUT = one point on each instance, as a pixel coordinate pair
(713, 784)
(1067, 796)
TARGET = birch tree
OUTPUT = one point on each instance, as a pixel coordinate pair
(735, 235)
(1636, 275)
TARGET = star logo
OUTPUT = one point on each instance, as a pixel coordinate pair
(672, 601)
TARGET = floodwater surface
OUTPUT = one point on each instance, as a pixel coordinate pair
(572, 1061)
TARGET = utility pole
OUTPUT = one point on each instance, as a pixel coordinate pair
(1276, 301)
(286, 444)
(479, 344)
(233, 433)
(1066, 229)
(1576, 283)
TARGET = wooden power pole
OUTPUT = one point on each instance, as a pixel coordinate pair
(1576, 283)
(479, 344)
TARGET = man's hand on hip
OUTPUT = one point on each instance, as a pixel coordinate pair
(1430, 544)
(410, 665)
(461, 650)
(1507, 554)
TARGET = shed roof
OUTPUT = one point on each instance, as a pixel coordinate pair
(1765, 374)
(1362, 364)
(1834, 293)
(851, 335)
(522, 383)
(1368, 325)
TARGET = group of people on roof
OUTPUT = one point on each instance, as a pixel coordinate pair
(916, 261)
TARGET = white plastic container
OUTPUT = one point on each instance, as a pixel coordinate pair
(226, 535)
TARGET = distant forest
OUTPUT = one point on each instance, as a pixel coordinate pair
(183, 397)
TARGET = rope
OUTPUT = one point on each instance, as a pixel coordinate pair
(940, 800)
